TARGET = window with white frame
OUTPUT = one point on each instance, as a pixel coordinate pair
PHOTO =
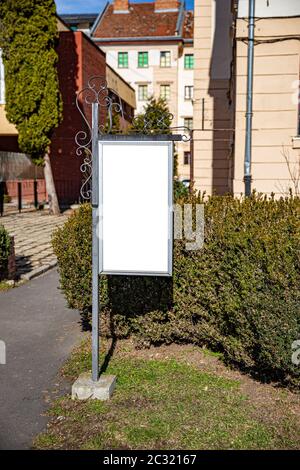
(188, 123)
(188, 92)
(2, 85)
(143, 92)
(186, 158)
(165, 92)
(165, 59)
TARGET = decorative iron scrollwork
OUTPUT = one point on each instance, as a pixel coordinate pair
(98, 92)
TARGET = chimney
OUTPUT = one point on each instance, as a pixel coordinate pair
(167, 5)
(121, 6)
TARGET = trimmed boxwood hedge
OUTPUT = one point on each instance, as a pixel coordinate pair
(4, 252)
(239, 294)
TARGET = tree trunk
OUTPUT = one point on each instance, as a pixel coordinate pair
(50, 186)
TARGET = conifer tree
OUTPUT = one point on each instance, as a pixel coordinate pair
(156, 116)
(28, 37)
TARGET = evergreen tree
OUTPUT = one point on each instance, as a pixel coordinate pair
(28, 37)
(156, 118)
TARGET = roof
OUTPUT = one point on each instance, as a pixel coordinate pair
(71, 18)
(143, 21)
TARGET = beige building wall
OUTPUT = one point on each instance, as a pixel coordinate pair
(213, 106)
(6, 128)
(154, 76)
(275, 106)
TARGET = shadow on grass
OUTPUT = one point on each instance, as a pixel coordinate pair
(134, 296)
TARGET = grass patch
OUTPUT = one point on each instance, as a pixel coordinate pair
(4, 286)
(160, 404)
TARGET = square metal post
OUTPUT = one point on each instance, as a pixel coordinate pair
(95, 245)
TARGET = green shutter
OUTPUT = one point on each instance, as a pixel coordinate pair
(143, 59)
(123, 59)
(189, 61)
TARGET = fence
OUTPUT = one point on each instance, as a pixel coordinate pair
(22, 193)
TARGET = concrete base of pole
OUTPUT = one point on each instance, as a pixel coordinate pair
(84, 388)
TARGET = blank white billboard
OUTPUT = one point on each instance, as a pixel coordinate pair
(135, 215)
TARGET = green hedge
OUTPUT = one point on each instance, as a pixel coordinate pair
(4, 252)
(239, 294)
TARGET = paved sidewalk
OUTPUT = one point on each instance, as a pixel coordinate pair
(32, 232)
(39, 333)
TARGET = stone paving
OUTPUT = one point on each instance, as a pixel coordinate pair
(32, 235)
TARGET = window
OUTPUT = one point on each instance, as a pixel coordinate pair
(186, 158)
(143, 92)
(189, 61)
(188, 123)
(165, 92)
(188, 92)
(143, 59)
(2, 100)
(123, 60)
(165, 59)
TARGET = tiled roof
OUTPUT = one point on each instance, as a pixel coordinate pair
(141, 21)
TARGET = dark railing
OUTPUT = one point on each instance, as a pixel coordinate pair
(23, 193)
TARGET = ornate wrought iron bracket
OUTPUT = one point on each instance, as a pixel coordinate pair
(109, 103)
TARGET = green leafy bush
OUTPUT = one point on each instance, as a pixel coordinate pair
(180, 190)
(4, 252)
(239, 294)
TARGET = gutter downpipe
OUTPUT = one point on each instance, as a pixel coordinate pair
(249, 112)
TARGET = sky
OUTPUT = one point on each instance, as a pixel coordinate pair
(92, 6)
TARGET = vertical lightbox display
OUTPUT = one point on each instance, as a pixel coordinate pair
(136, 207)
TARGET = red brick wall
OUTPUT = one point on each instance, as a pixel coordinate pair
(65, 165)
(11, 188)
(79, 59)
(93, 64)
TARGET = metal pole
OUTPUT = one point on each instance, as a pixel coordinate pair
(35, 194)
(1, 198)
(95, 245)
(191, 161)
(249, 113)
(20, 196)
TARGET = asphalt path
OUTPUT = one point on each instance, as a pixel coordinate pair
(39, 332)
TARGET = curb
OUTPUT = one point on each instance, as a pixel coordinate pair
(37, 271)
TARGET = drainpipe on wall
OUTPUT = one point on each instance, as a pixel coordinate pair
(249, 112)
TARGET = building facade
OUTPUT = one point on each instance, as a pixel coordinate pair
(275, 135)
(220, 44)
(79, 59)
(151, 46)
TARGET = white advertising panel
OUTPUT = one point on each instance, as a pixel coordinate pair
(135, 210)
